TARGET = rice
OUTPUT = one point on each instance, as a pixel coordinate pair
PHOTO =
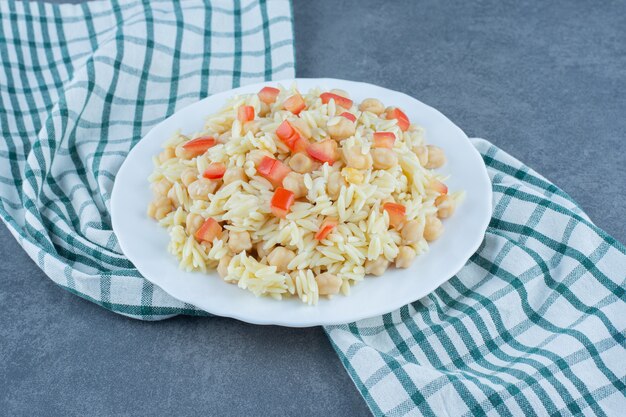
(355, 200)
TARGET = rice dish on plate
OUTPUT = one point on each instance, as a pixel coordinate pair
(292, 194)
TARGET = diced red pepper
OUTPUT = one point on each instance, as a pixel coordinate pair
(437, 186)
(294, 104)
(273, 170)
(291, 137)
(403, 120)
(324, 151)
(348, 116)
(199, 146)
(281, 203)
(245, 113)
(214, 171)
(396, 212)
(344, 102)
(209, 230)
(384, 139)
(268, 94)
(325, 228)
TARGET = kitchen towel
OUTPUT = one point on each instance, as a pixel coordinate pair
(79, 86)
(534, 324)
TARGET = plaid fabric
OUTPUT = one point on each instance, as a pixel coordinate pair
(79, 86)
(534, 324)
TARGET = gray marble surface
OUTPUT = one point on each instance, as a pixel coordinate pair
(543, 80)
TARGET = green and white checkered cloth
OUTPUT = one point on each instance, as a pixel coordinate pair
(534, 324)
(79, 86)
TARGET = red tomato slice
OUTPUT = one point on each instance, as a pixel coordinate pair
(199, 146)
(348, 116)
(325, 228)
(285, 130)
(273, 170)
(265, 166)
(324, 151)
(384, 139)
(299, 145)
(403, 120)
(344, 102)
(291, 137)
(245, 113)
(278, 174)
(294, 104)
(268, 94)
(281, 203)
(214, 171)
(396, 212)
(209, 230)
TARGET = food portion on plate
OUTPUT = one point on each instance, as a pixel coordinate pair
(292, 194)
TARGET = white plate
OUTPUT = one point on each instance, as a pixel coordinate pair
(145, 243)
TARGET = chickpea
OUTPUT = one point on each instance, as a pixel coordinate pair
(234, 174)
(433, 228)
(193, 223)
(384, 158)
(405, 257)
(173, 196)
(161, 187)
(340, 128)
(188, 176)
(328, 283)
(253, 126)
(412, 232)
(239, 241)
(261, 253)
(353, 176)
(201, 188)
(163, 206)
(335, 182)
(280, 258)
(166, 154)
(436, 157)
(355, 159)
(294, 182)
(301, 163)
(302, 126)
(257, 155)
(222, 266)
(422, 154)
(372, 105)
(376, 267)
(445, 206)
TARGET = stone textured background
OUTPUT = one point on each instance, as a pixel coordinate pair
(545, 82)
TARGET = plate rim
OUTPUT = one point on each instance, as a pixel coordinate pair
(260, 320)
